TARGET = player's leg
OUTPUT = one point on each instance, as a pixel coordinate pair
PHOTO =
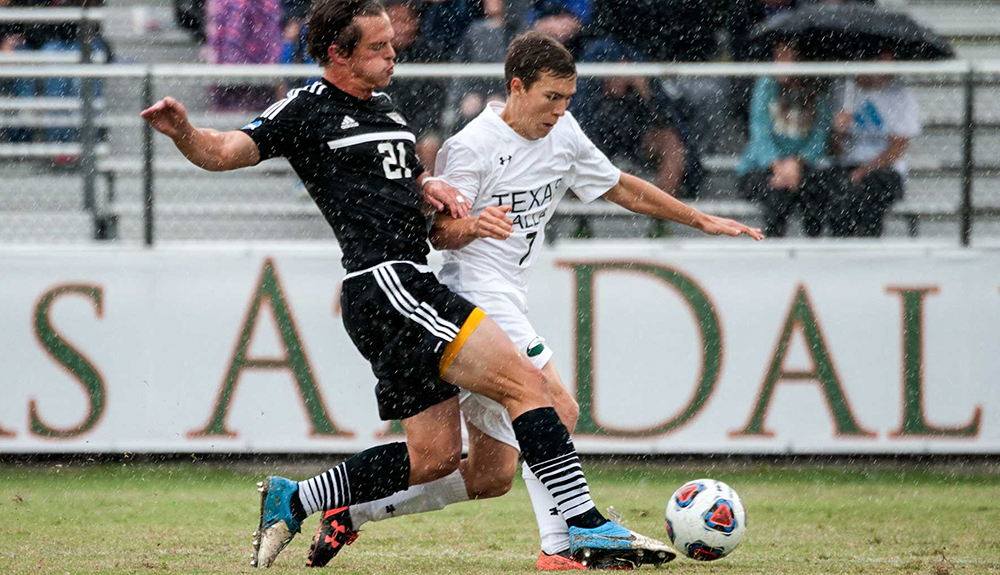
(484, 360)
(552, 528)
(487, 472)
(433, 450)
(401, 319)
(434, 444)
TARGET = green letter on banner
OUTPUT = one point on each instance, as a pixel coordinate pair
(269, 291)
(75, 363)
(914, 422)
(708, 323)
(801, 317)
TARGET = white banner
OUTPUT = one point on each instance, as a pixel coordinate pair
(701, 347)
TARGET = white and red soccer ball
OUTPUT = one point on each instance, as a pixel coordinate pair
(705, 519)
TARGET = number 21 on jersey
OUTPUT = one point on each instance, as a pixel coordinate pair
(394, 160)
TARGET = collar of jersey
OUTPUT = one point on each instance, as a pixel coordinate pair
(338, 93)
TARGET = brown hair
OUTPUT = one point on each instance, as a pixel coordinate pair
(333, 22)
(533, 53)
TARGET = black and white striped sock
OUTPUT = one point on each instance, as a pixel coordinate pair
(328, 490)
(372, 474)
(549, 452)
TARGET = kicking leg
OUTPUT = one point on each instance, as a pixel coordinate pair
(433, 450)
(486, 362)
(487, 472)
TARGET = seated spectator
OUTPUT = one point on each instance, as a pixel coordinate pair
(190, 16)
(486, 41)
(61, 38)
(422, 99)
(560, 20)
(879, 115)
(243, 32)
(786, 164)
(636, 123)
(443, 23)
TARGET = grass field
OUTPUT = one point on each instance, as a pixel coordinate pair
(803, 519)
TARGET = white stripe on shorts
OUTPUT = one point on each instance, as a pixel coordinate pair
(418, 315)
(423, 305)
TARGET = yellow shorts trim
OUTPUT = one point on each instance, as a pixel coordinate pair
(451, 351)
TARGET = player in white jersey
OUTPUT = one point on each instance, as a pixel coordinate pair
(512, 164)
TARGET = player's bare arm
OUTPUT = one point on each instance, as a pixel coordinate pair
(450, 233)
(208, 149)
(641, 197)
(442, 197)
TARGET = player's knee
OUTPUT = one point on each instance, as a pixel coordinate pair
(534, 385)
(492, 486)
(492, 483)
(570, 412)
(435, 463)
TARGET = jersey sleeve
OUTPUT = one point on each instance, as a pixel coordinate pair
(593, 173)
(459, 166)
(280, 131)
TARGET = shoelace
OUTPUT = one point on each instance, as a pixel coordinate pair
(615, 516)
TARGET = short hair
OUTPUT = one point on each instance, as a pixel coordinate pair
(333, 22)
(533, 53)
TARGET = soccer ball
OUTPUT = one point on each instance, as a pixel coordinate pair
(705, 519)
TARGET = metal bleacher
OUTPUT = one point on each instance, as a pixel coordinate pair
(265, 202)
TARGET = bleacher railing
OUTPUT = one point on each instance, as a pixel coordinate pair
(150, 78)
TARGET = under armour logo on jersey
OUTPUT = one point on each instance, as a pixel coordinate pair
(348, 123)
(554, 512)
(504, 160)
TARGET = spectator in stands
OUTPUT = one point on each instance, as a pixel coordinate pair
(443, 23)
(190, 15)
(485, 40)
(422, 98)
(786, 164)
(634, 121)
(66, 39)
(243, 32)
(561, 20)
(879, 115)
(682, 31)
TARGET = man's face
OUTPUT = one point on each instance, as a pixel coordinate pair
(541, 106)
(373, 59)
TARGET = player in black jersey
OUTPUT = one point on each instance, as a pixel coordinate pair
(355, 155)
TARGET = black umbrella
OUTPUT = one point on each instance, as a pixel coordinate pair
(852, 32)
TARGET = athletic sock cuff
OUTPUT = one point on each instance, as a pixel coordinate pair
(378, 472)
(541, 435)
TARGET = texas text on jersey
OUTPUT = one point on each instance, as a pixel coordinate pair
(357, 159)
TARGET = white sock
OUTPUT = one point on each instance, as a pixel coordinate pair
(551, 526)
(417, 499)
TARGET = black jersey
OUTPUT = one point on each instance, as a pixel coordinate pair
(358, 160)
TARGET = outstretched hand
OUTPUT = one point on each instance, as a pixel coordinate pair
(717, 226)
(168, 117)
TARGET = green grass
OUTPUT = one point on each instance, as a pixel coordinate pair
(804, 519)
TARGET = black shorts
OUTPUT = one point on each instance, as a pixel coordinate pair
(401, 319)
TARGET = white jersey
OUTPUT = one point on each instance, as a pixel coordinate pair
(492, 165)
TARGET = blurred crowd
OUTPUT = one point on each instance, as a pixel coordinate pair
(45, 38)
(811, 147)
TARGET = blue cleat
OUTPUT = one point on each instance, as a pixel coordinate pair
(613, 542)
(277, 526)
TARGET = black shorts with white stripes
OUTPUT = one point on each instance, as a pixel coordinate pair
(401, 319)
